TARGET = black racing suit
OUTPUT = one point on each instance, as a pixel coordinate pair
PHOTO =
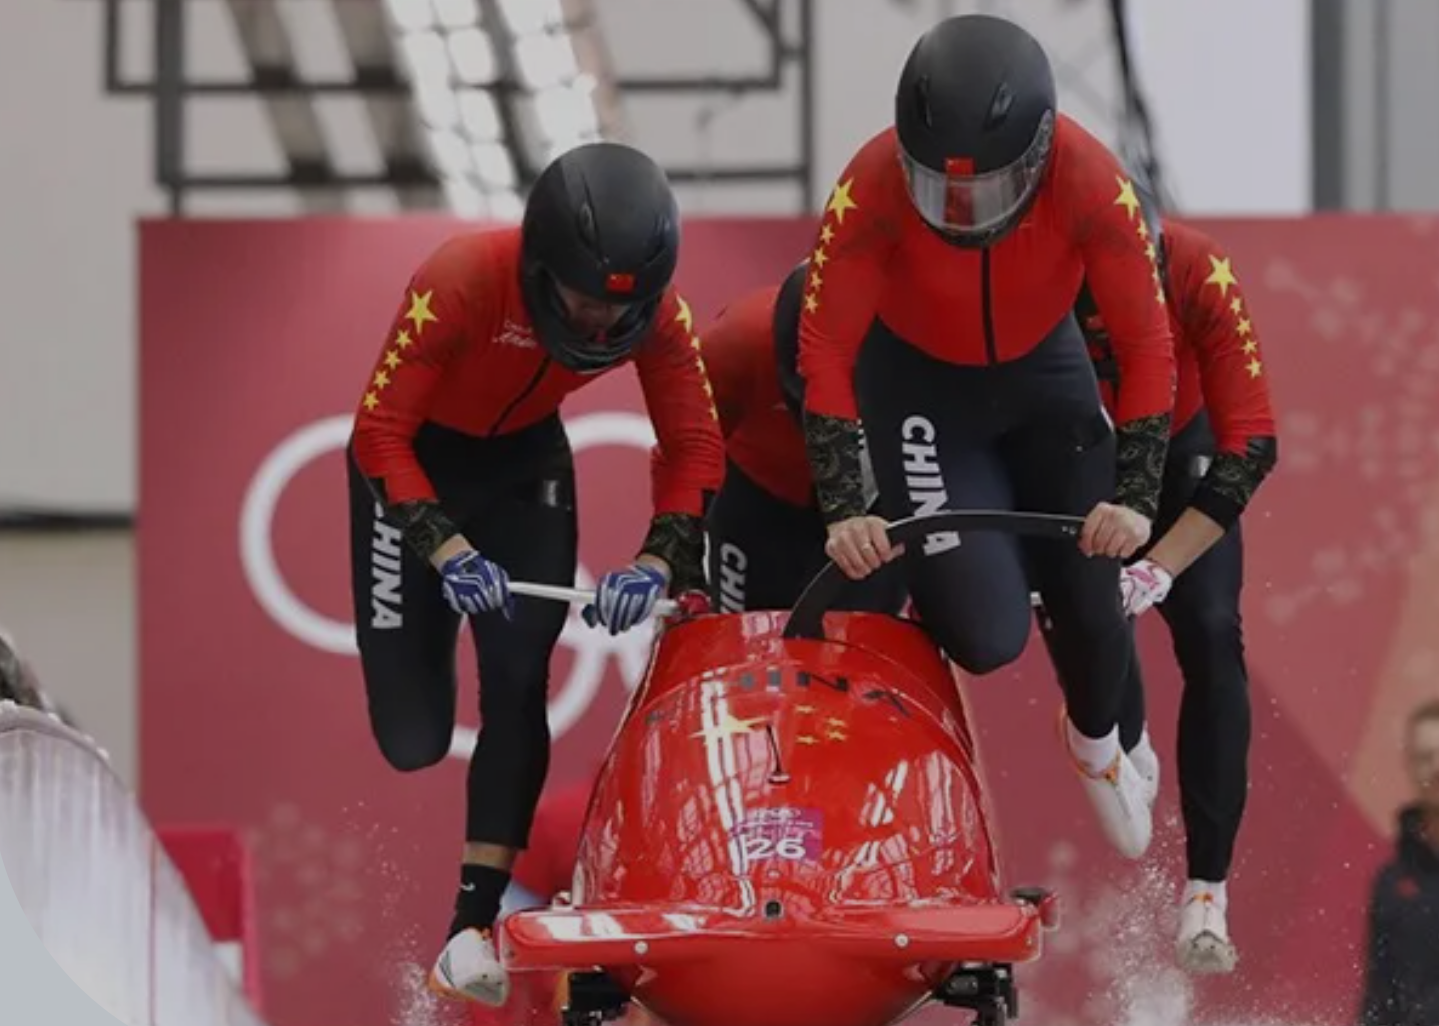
(975, 389)
(513, 497)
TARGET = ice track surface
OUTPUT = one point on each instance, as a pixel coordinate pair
(97, 887)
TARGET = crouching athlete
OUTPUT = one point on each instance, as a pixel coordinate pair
(766, 534)
(939, 310)
(1224, 445)
(459, 453)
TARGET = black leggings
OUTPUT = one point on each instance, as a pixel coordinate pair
(1027, 435)
(1202, 612)
(763, 551)
(513, 498)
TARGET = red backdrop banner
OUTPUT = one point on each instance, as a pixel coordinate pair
(256, 338)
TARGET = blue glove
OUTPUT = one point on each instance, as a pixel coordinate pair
(625, 597)
(474, 585)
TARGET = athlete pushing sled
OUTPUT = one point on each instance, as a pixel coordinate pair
(459, 450)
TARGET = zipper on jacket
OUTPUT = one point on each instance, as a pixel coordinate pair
(991, 347)
(534, 383)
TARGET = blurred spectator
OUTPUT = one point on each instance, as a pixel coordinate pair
(19, 684)
(1401, 986)
(17, 679)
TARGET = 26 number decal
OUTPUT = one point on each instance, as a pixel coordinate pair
(759, 848)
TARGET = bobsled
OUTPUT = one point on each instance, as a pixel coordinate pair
(791, 828)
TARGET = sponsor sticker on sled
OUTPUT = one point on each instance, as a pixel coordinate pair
(786, 834)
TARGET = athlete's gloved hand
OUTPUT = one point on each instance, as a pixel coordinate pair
(860, 546)
(1115, 531)
(626, 597)
(1143, 585)
(474, 585)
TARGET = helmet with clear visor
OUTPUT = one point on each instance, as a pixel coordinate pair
(975, 120)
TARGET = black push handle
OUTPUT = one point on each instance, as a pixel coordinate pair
(806, 619)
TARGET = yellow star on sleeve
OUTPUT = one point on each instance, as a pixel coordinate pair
(685, 316)
(1245, 327)
(1250, 347)
(420, 312)
(840, 201)
(1221, 275)
(392, 359)
(1236, 306)
(1127, 199)
(382, 378)
(811, 302)
(826, 234)
(820, 258)
(371, 400)
(403, 340)
(1254, 367)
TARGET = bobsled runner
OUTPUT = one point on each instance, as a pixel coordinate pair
(791, 828)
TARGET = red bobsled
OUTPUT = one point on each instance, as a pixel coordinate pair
(791, 829)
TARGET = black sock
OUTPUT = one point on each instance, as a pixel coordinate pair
(477, 902)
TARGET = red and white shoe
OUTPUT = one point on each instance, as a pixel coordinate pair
(1203, 946)
(1120, 797)
(1146, 763)
(470, 969)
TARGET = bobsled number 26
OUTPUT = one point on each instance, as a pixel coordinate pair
(789, 834)
(759, 848)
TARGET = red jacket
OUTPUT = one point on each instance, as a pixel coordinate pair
(876, 257)
(762, 436)
(461, 352)
(547, 866)
(1220, 365)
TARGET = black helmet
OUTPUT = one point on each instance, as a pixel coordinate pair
(601, 222)
(974, 114)
(787, 312)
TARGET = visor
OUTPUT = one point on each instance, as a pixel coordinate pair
(959, 201)
(631, 314)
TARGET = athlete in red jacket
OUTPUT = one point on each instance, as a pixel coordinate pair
(1224, 445)
(939, 308)
(766, 534)
(461, 475)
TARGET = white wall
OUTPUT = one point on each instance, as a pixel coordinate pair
(1228, 79)
(1229, 84)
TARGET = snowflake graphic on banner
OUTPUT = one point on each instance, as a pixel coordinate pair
(315, 874)
(1394, 445)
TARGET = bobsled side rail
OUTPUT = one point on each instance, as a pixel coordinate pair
(558, 939)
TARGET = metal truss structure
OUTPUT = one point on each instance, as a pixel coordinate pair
(272, 76)
(788, 29)
(288, 98)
